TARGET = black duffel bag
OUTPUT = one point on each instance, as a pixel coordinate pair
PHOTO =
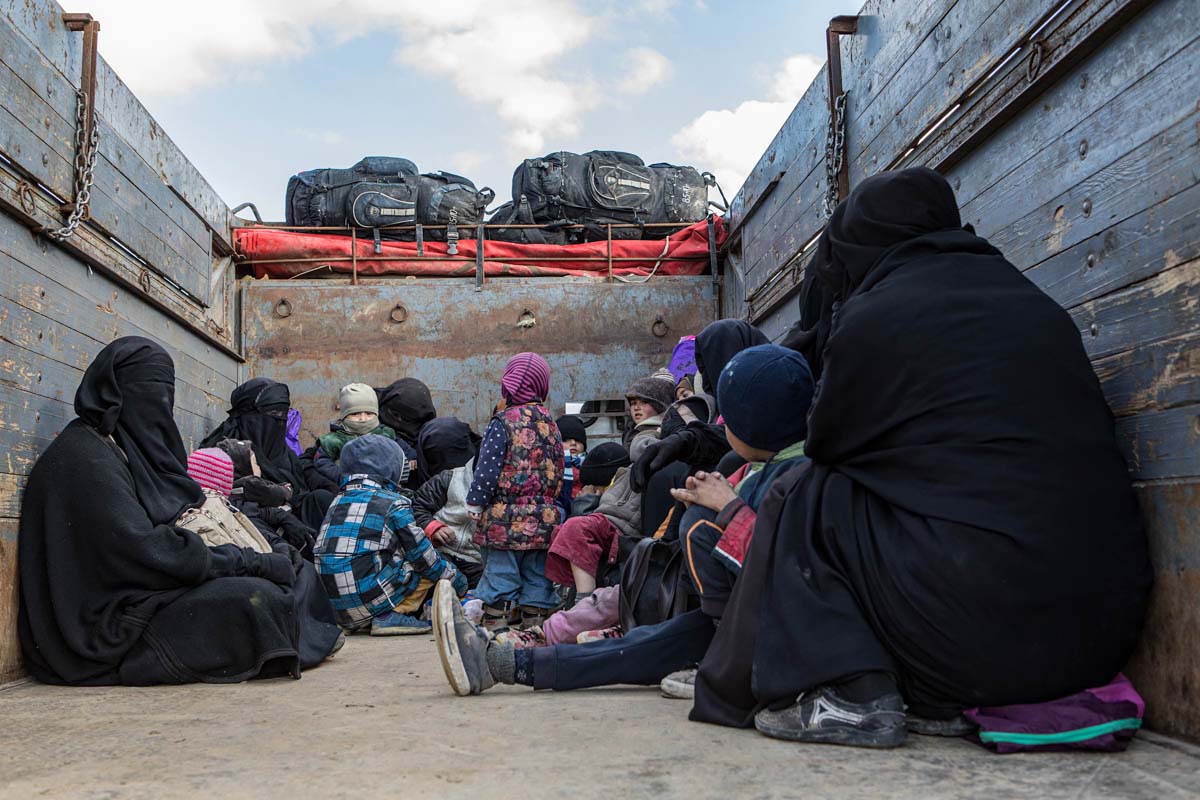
(652, 589)
(607, 186)
(381, 193)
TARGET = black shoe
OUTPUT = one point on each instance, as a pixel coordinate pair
(823, 716)
(955, 726)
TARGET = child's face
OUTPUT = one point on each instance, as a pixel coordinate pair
(574, 446)
(682, 393)
(361, 416)
(639, 409)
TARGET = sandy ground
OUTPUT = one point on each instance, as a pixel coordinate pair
(378, 721)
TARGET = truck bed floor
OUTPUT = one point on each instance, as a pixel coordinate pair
(379, 721)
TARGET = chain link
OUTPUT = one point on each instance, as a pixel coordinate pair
(86, 151)
(835, 152)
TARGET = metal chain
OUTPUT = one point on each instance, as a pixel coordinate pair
(85, 168)
(835, 152)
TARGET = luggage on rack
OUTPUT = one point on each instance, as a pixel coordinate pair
(607, 186)
(380, 193)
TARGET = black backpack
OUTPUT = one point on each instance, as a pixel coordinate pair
(381, 192)
(608, 186)
(652, 589)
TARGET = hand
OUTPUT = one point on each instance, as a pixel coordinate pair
(443, 536)
(708, 489)
(656, 456)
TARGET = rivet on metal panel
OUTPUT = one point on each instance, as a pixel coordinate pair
(527, 319)
(659, 328)
(37, 416)
(399, 313)
(1091, 260)
(1035, 59)
(283, 308)
(1087, 207)
(1083, 148)
(1095, 329)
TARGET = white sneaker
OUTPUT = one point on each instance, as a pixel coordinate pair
(680, 685)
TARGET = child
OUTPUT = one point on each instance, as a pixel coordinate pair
(574, 436)
(765, 392)
(446, 449)
(359, 407)
(375, 563)
(584, 546)
(648, 398)
(514, 495)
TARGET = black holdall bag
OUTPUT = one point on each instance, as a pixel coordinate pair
(608, 186)
(651, 584)
(331, 197)
(381, 192)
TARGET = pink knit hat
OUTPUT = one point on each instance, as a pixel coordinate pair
(526, 379)
(212, 468)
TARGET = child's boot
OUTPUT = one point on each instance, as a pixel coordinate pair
(495, 618)
(533, 617)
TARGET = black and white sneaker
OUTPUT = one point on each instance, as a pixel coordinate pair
(823, 716)
(461, 645)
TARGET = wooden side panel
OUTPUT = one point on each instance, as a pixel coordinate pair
(1086, 177)
(59, 305)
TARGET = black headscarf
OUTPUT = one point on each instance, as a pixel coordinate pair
(721, 341)
(128, 393)
(258, 413)
(405, 406)
(884, 211)
(239, 451)
(445, 443)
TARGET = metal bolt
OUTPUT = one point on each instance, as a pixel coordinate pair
(37, 416)
(1083, 148)
(1087, 207)
(1095, 329)
(1091, 260)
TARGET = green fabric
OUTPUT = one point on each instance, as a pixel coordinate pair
(1066, 737)
(332, 443)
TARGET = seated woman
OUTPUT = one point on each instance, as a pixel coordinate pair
(111, 591)
(258, 414)
(967, 534)
(406, 406)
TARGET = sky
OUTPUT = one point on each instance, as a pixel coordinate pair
(253, 92)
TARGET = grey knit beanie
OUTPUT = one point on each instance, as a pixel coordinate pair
(356, 397)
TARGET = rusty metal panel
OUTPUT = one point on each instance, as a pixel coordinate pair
(317, 336)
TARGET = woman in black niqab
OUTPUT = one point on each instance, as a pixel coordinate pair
(406, 406)
(967, 525)
(111, 591)
(445, 443)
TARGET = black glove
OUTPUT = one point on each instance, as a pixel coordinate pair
(657, 455)
(264, 492)
(274, 567)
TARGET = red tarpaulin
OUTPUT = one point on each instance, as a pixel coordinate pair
(287, 254)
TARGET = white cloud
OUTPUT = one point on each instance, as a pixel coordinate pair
(505, 56)
(465, 162)
(729, 142)
(321, 136)
(647, 68)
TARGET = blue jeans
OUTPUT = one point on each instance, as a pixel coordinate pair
(517, 576)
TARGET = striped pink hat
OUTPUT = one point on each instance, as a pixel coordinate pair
(526, 379)
(212, 468)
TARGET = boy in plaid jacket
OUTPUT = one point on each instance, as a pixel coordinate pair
(376, 565)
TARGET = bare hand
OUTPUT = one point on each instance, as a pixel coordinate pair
(708, 489)
(443, 536)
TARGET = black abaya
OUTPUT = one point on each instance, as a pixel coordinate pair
(967, 522)
(111, 591)
(406, 406)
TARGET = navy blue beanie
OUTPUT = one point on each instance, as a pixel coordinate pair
(764, 393)
(374, 455)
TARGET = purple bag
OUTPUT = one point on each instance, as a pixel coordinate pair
(293, 431)
(1102, 719)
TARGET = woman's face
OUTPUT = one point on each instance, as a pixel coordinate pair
(639, 409)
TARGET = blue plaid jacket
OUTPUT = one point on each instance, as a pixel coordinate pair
(370, 554)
